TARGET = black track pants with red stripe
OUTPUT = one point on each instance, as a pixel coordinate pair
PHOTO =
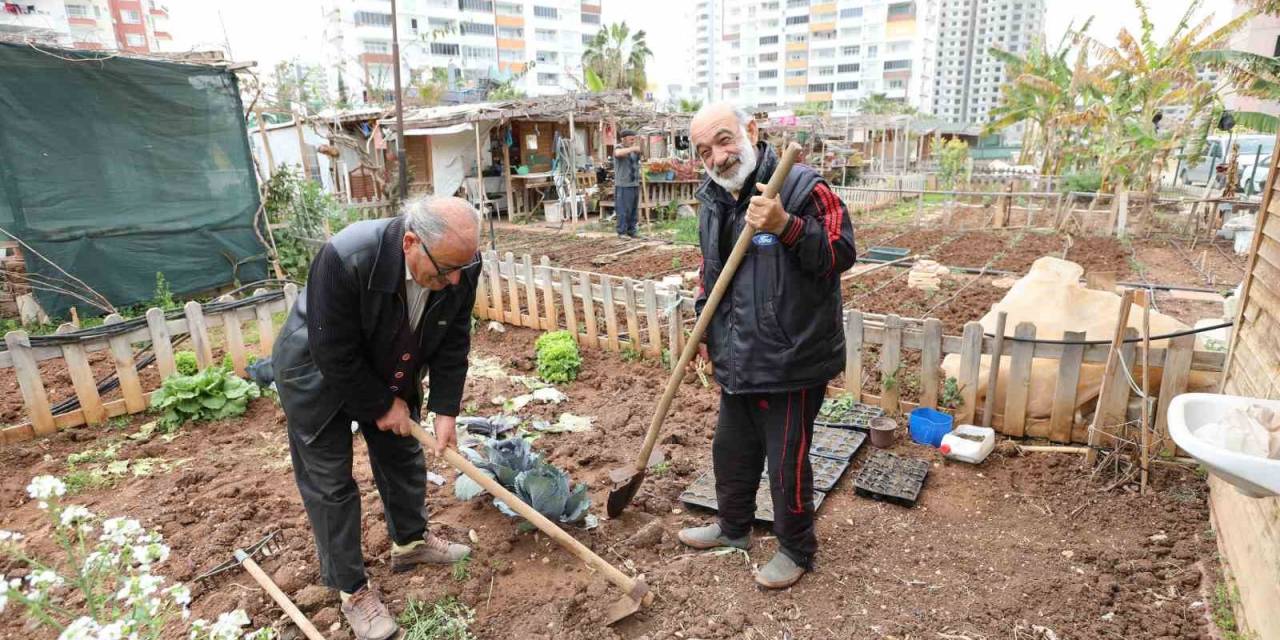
(777, 427)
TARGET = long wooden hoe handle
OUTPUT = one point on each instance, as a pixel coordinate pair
(622, 580)
(771, 190)
(281, 599)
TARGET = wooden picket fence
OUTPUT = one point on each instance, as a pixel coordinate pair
(882, 192)
(158, 333)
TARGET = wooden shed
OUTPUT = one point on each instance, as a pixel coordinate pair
(1248, 529)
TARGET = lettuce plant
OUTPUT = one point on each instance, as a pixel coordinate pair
(212, 394)
(558, 358)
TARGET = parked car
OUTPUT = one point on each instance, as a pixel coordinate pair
(1214, 162)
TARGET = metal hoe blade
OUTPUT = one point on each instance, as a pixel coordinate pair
(626, 482)
(270, 545)
(623, 607)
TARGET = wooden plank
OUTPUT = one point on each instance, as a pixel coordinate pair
(970, 364)
(162, 344)
(82, 379)
(27, 371)
(853, 333)
(1173, 381)
(24, 432)
(234, 338)
(533, 320)
(993, 370)
(651, 319)
(1248, 535)
(588, 310)
(566, 301)
(126, 369)
(1063, 412)
(513, 291)
(266, 326)
(494, 268)
(481, 306)
(891, 364)
(199, 334)
(1017, 388)
(633, 317)
(1113, 355)
(675, 336)
(552, 321)
(930, 362)
(1113, 401)
(610, 314)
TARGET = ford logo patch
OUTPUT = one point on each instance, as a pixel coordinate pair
(764, 239)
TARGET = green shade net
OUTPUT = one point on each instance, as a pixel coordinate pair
(118, 169)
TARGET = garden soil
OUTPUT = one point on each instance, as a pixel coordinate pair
(990, 551)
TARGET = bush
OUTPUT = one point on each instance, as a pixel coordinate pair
(212, 394)
(185, 361)
(1082, 181)
(558, 358)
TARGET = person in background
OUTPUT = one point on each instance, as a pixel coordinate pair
(626, 182)
(776, 339)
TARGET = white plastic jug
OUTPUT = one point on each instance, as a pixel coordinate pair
(968, 443)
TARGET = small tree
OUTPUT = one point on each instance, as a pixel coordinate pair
(953, 160)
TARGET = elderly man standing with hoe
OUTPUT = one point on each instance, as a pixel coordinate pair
(626, 183)
(386, 302)
(775, 340)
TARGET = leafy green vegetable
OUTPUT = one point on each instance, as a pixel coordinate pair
(558, 358)
(185, 361)
(212, 394)
(538, 484)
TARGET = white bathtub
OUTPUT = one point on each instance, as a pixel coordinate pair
(1253, 476)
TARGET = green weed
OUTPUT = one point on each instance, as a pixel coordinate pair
(631, 354)
(444, 619)
(462, 569)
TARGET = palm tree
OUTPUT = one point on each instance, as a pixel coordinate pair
(615, 59)
(878, 104)
(690, 105)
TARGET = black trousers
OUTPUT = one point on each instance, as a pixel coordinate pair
(776, 427)
(332, 498)
(626, 201)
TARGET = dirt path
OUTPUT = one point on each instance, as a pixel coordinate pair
(990, 550)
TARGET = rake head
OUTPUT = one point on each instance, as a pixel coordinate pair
(270, 545)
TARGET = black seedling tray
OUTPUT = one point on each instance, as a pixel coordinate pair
(702, 493)
(826, 472)
(839, 444)
(891, 478)
(860, 416)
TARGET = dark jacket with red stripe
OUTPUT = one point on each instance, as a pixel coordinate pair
(779, 327)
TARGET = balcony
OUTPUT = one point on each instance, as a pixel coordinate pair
(82, 22)
(375, 58)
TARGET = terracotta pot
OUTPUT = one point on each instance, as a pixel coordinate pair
(882, 432)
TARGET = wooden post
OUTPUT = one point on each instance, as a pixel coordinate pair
(548, 295)
(970, 363)
(266, 144)
(28, 373)
(199, 334)
(506, 170)
(1122, 321)
(1122, 212)
(633, 318)
(675, 335)
(651, 319)
(161, 343)
(513, 291)
(1113, 397)
(82, 379)
(1173, 381)
(930, 362)
(589, 310)
(302, 149)
(853, 332)
(494, 267)
(290, 296)
(566, 300)
(531, 292)
(484, 197)
(481, 306)
(234, 337)
(610, 313)
(993, 371)
(1063, 413)
(1017, 388)
(1145, 440)
(126, 370)
(890, 364)
(266, 326)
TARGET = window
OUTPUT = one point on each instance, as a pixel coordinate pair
(509, 9)
(587, 38)
(444, 49)
(797, 37)
(476, 29)
(895, 65)
(545, 35)
(135, 39)
(546, 57)
(510, 55)
(768, 73)
(896, 84)
(850, 51)
(901, 10)
(846, 86)
(824, 35)
(823, 53)
(829, 16)
(129, 16)
(77, 11)
(768, 57)
(797, 19)
(545, 12)
(769, 40)
(516, 33)
(826, 71)
(440, 24)
(377, 46)
(485, 6)
(480, 53)
(797, 56)
(768, 91)
(370, 19)
(796, 73)
(820, 88)
(849, 68)
(590, 18)
(548, 79)
(791, 4)
(855, 12)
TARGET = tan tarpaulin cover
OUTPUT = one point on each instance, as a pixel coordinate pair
(1052, 297)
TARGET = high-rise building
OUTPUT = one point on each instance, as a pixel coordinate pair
(968, 80)
(785, 53)
(137, 26)
(538, 42)
(1261, 36)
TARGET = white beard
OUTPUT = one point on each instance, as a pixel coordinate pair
(742, 171)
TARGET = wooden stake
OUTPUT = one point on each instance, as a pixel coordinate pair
(1146, 386)
(1122, 321)
(993, 371)
(82, 379)
(126, 370)
(589, 310)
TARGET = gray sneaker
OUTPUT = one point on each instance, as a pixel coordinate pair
(709, 537)
(368, 617)
(430, 550)
(780, 573)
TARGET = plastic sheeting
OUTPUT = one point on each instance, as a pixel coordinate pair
(118, 169)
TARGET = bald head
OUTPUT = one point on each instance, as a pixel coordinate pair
(448, 229)
(724, 138)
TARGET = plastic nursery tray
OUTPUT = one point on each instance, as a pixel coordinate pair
(888, 477)
(840, 444)
(702, 493)
(860, 419)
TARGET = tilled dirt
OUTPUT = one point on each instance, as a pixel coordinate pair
(988, 552)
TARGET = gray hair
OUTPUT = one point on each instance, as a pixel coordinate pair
(743, 117)
(424, 216)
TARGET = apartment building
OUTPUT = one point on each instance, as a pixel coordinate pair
(1261, 36)
(784, 53)
(467, 41)
(137, 26)
(968, 80)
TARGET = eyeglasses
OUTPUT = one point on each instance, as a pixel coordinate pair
(442, 272)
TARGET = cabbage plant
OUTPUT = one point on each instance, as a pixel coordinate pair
(537, 483)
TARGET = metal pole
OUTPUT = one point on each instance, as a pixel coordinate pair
(403, 180)
(1254, 172)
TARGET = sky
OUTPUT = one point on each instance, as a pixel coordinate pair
(269, 31)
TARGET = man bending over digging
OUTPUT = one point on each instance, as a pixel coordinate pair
(386, 302)
(775, 340)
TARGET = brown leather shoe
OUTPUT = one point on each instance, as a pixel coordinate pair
(430, 550)
(368, 617)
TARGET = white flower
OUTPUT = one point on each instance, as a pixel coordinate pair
(75, 514)
(260, 634)
(44, 487)
(147, 554)
(121, 531)
(98, 561)
(118, 630)
(43, 578)
(10, 536)
(82, 628)
(180, 593)
(4, 599)
(227, 627)
(138, 587)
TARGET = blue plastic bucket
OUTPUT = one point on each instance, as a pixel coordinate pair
(928, 426)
